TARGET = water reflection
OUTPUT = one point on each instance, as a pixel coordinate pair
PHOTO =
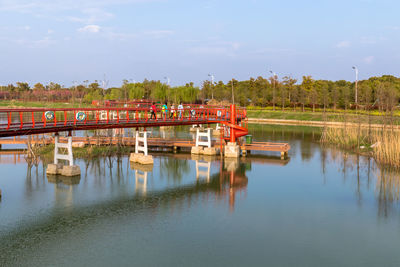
(283, 202)
(141, 176)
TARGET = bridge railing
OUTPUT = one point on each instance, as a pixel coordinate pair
(21, 118)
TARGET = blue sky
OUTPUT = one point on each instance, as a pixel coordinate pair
(70, 40)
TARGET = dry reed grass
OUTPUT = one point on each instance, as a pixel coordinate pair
(347, 137)
(387, 150)
(384, 143)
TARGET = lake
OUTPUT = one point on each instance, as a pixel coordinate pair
(322, 206)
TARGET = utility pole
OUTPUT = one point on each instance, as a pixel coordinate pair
(356, 91)
(212, 85)
(273, 91)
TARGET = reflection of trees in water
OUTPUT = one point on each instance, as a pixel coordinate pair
(173, 168)
(35, 177)
(284, 133)
(387, 190)
(358, 170)
(304, 138)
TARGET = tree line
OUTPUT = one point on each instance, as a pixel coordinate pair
(376, 92)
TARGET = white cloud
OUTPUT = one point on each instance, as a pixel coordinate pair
(369, 59)
(343, 44)
(91, 15)
(50, 31)
(90, 29)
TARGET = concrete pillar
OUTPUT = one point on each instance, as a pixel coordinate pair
(232, 150)
(141, 137)
(207, 150)
(58, 168)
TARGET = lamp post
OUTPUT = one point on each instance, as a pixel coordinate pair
(167, 79)
(212, 85)
(356, 91)
(273, 91)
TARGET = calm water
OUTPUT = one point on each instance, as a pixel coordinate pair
(320, 207)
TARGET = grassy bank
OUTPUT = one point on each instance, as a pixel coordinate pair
(351, 116)
(31, 104)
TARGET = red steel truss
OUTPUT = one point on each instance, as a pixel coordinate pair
(21, 121)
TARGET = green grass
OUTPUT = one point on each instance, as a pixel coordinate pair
(319, 116)
(35, 104)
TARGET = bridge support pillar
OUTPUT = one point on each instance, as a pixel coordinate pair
(232, 150)
(141, 151)
(58, 168)
(203, 147)
(283, 155)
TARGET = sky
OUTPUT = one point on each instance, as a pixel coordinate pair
(70, 41)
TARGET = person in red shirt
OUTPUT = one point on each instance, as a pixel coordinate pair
(153, 110)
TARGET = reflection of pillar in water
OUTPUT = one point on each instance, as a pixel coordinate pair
(231, 164)
(141, 181)
(203, 170)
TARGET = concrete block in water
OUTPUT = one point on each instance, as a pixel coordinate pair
(209, 151)
(54, 169)
(134, 157)
(197, 150)
(232, 150)
(146, 160)
(73, 170)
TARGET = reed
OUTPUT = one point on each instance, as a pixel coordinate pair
(347, 137)
(383, 143)
(387, 149)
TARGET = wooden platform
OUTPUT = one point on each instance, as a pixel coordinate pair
(152, 143)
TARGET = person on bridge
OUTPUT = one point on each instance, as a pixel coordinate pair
(164, 110)
(153, 111)
(180, 110)
(172, 113)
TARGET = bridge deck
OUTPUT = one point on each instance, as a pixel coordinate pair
(16, 122)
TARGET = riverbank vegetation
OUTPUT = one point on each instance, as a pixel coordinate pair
(383, 143)
(47, 151)
(376, 93)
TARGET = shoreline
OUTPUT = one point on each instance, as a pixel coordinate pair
(317, 123)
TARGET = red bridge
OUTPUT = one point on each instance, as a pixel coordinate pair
(21, 121)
